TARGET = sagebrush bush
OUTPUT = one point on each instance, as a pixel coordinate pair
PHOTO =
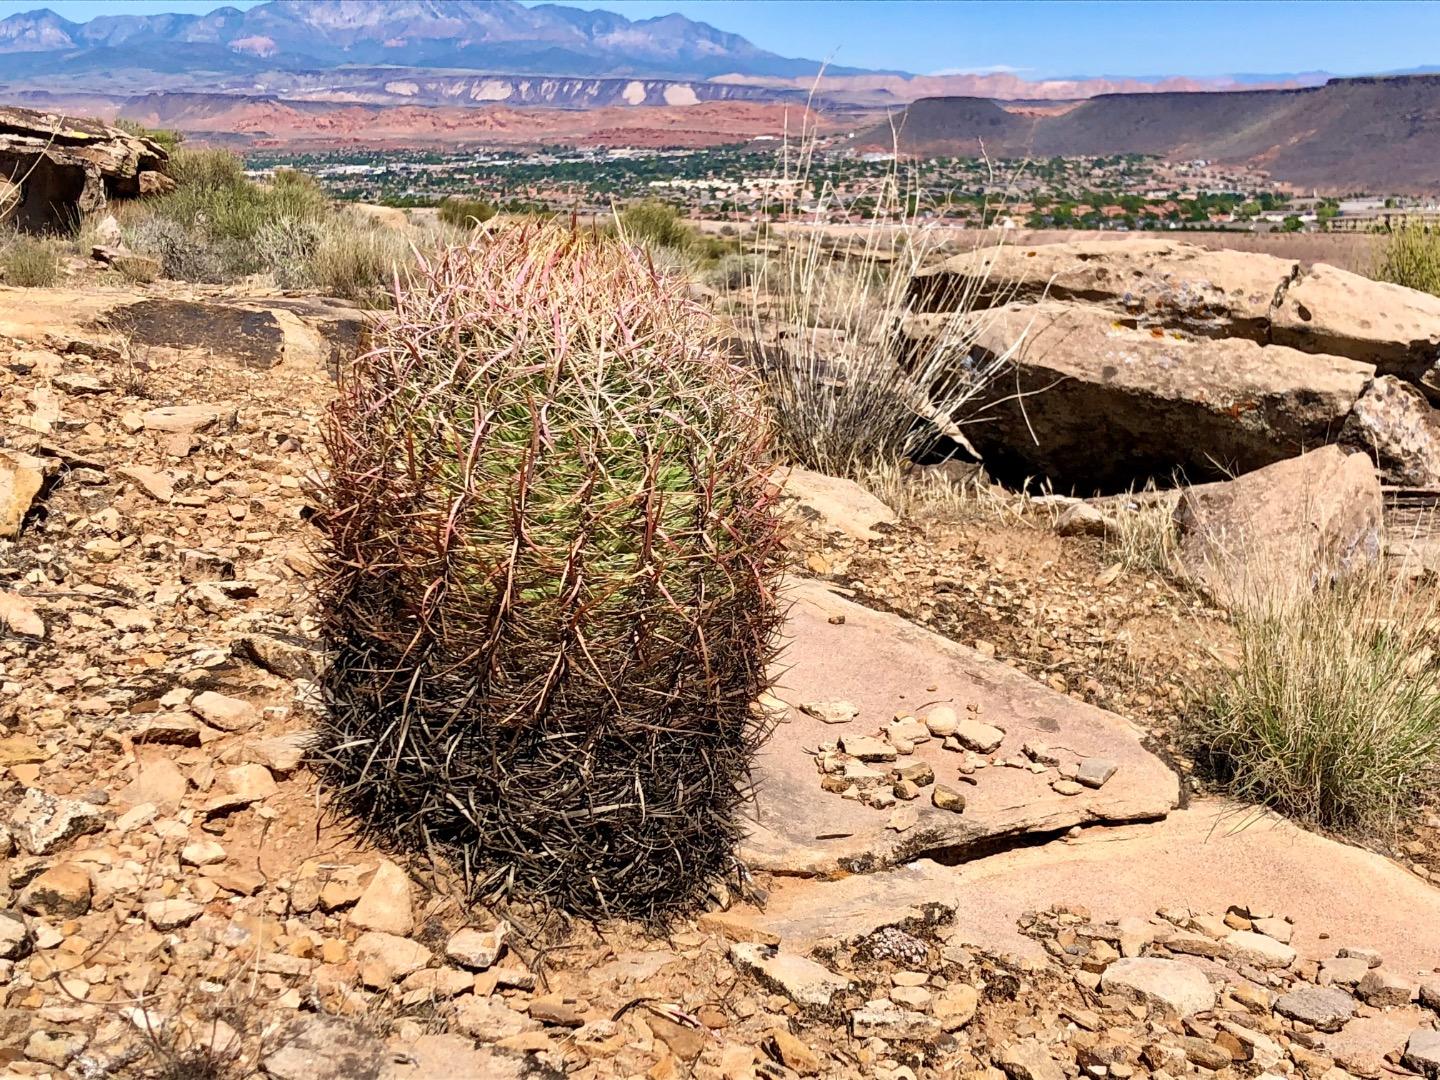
(1332, 713)
(1410, 256)
(658, 224)
(219, 226)
(29, 262)
(552, 557)
(464, 213)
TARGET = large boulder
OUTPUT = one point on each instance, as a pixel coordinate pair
(1396, 426)
(1097, 402)
(64, 167)
(1318, 309)
(1259, 539)
(1215, 293)
(1329, 310)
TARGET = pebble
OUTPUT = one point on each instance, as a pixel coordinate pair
(978, 737)
(1094, 772)
(831, 712)
(385, 905)
(477, 949)
(944, 797)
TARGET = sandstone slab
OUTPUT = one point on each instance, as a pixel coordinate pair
(877, 659)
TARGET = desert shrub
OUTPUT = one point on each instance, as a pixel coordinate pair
(206, 167)
(218, 226)
(653, 223)
(550, 594)
(183, 253)
(167, 139)
(1410, 256)
(29, 262)
(1332, 713)
(463, 212)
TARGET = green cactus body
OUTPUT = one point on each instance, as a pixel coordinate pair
(550, 593)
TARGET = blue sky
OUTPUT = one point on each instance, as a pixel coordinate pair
(1034, 37)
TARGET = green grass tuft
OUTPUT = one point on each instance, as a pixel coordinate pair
(1332, 713)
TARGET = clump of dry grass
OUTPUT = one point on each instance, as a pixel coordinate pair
(824, 315)
(1140, 532)
(30, 262)
(1332, 713)
(551, 593)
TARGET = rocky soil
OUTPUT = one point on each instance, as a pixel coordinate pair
(174, 900)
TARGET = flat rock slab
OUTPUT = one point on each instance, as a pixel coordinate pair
(1202, 858)
(884, 664)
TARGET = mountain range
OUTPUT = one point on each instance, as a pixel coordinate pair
(316, 35)
(351, 50)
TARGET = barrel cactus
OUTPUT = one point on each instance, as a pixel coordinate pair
(549, 601)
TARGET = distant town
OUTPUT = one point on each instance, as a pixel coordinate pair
(753, 182)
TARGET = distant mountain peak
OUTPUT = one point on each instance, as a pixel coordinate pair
(494, 35)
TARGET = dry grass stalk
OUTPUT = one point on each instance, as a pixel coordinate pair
(823, 314)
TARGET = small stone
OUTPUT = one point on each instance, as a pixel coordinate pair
(398, 954)
(1322, 1007)
(282, 754)
(1040, 754)
(63, 890)
(883, 1019)
(793, 1054)
(559, 1010)
(800, 979)
(1206, 1054)
(831, 712)
(911, 997)
(186, 419)
(15, 937)
(1371, 957)
(942, 721)
(1382, 988)
(1066, 787)
(202, 853)
(171, 914)
(1279, 929)
(955, 1006)
(1264, 952)
(224, 712)
(18, 615)
(254, 782)
(867, 748)
(1422, 1053)
(55, 1048)
(1094, 772)
(1430, 995)
(919, 773)
(1173, 985)
(947, 798)
(44, 823)
(477, 949)
(1027, 1059)
(154, 482)
(1344, 970)
(906, 790)
(981, 738)
(489, 1020)
(385, 904)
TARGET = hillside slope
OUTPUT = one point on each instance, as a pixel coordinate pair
(1370, 133)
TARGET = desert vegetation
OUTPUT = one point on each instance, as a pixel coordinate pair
(219, 226)
(1332, 712)
(551, 597)
(1410, 256)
